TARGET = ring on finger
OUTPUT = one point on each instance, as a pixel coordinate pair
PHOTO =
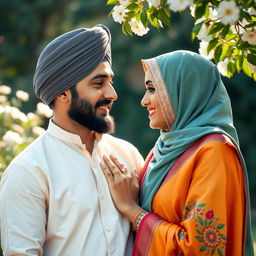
(124, 170)
(115, 171)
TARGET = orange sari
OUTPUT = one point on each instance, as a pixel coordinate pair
(200, 207)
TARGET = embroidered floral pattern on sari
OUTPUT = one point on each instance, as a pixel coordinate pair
(207, 227)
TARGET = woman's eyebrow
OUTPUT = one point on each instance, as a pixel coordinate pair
(148, 82)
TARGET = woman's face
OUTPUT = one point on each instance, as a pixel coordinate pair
(152, 103)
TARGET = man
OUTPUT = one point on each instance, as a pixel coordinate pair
(54, 199)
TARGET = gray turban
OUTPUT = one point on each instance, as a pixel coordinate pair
(68, 59)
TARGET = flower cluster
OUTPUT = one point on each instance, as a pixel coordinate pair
(17, 128)
(210, 231)
(226, 29)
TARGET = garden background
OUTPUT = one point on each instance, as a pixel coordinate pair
(26, 26)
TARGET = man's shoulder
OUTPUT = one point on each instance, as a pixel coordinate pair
(30, 153)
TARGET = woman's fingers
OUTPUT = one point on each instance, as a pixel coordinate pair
(113, 168)
(119, 165)
(106, 172)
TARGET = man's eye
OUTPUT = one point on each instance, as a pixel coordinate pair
(99, 83)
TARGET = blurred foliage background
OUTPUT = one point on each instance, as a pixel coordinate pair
(26, 26)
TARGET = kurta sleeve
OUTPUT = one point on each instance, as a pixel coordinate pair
(22, 212)
(210, 219)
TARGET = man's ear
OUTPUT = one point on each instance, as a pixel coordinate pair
(65, 97)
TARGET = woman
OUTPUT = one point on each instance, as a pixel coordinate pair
(194, 196)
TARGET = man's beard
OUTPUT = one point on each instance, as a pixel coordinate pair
(84, 113)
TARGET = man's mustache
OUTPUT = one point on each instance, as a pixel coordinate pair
(104, 102)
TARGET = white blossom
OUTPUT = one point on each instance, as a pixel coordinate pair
(38, 130)
(155, 3)
(124, 3)
(228, 12)
(119, 13)
(253, 67)
(3, 98)
(222, 67)
(250, 37)
(12, 138)
(18, 128)
(179, 5)
(203, 50)
(252, 11)
(15, 113)
(5, 90)
(32, 117)
(138, 28)
(203, 33)
(43, 109)
(24, 96)
(2, 145)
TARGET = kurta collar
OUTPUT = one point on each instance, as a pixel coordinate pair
(68, 137)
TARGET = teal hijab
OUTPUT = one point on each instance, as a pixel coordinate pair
(201, 106)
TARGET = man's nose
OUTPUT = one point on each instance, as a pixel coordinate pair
(110, 93)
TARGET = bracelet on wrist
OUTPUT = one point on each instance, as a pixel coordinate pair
(138, 219)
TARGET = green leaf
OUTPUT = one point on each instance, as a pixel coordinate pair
(223, 236)
(246, 68)
(201, 205)
(230, 36)
(199, 239)
(212, 44)
(213, 251)
(224, 31)
(200, 10)
(245, 15)
(251, 25)
(132, 6)
(203, 248)
(130, 14)
(162, 15)
(252, 59)
(243, 45)
(200, 220)
(221, 226)
(231, 69)
(196, 30)
(217, 53)
(126, 28)
(198, 231)
(220, 252)
(110, 2)
(137, 14)
(144, 17)
(215, 28)
(239, 62)
(225, 52)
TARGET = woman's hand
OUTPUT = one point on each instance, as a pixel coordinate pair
(123, 185)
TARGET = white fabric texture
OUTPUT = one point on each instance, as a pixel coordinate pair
(54, 198)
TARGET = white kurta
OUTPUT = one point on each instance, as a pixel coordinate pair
(55, 201)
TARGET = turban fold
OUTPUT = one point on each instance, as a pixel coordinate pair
(68, 59)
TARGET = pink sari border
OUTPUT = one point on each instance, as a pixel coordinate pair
(145, 233)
